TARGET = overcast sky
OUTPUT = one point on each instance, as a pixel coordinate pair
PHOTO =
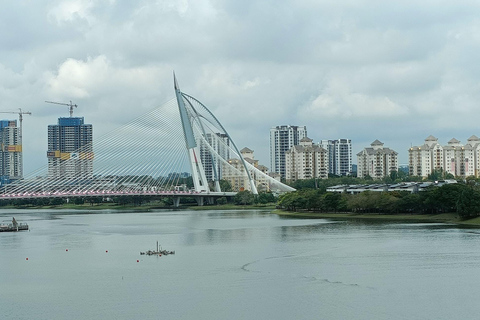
(397, 71)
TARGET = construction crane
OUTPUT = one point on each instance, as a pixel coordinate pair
(70, 105)
(20, 117)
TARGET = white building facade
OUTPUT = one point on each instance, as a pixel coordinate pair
(454, 158)
(377, 161)
(339, 156)
(424, 159)
(282, 138)
(306, 161)
(218, 148)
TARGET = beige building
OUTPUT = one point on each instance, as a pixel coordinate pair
(306, 161)
(236, 175)
(454, 158)
(377, 161)
(425, 158)
(472, 157)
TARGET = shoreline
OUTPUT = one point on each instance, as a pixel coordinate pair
(451, 218)
(448, 218)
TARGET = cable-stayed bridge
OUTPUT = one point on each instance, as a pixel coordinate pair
(151, 156)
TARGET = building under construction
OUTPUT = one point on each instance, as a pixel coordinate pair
(11, 152)
(70, 151)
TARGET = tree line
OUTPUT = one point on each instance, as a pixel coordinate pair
(461, 198)
(241, 198)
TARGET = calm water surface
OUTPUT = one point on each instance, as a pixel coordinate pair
(234, 265)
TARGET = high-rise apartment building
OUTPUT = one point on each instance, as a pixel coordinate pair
(424, 159)
(219, 147)
(11, 162)
(339, 156)
(70, 150)
(306, 161)
(454, 158)
(282, 138)
(377, 162)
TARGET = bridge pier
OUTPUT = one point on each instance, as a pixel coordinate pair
(200, 200)
(176, 202)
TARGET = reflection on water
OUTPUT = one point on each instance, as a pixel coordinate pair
(84, 265)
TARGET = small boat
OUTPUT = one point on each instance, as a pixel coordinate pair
(13, 227)
(158, 252)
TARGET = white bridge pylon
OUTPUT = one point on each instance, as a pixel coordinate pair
(201, 121)
(152, 155)
(211, 148)
(188, 121)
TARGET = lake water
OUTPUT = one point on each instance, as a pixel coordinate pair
(245, 264)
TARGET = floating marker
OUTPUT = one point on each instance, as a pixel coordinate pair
(66, 249)
(137, 260)
(26, 259)
(106, 251)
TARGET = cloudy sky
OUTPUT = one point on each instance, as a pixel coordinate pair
(396, 71)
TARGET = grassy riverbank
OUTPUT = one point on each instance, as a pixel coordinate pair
(233, 207)
(424, 218)
(435, 218)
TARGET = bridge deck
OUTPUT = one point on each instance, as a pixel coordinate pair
(115, 193)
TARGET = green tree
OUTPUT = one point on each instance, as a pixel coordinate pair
(387, 180)
(41, 201)
(286, 201)
(402, 175)
(331, 200)
(222, 200)
(409, 202)
(436, 175)
(412, 178)
(468, 202)
(265, 197)
(471, 180)
(386, 202)
(244, 198)
(293, 201)
(79, 201)
(393, 175)
(94, 200)
(122, 200)
(56, 201)
(444, 198)
(304, 184)
(449, 176)
(314, 199)
(225, 185)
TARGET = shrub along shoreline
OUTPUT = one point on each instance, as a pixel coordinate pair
(460, 199)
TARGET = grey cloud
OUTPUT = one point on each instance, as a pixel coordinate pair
(351, 69)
